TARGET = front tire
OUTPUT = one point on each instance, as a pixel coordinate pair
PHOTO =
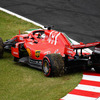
(53, 65)
(1, 48)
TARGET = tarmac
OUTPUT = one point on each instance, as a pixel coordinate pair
(79, 19)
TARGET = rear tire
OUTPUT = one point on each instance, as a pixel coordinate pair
(53, 65)
(1, 48)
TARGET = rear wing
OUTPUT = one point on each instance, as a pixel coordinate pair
(71, 53)
(82, 45)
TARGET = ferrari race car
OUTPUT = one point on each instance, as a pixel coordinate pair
(51, 51)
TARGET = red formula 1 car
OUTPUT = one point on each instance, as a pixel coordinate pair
(52, 51)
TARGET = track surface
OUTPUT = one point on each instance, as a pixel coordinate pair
(80, 19)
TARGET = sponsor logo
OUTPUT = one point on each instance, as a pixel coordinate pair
(37, 53)
(47, 52)
(15, 53)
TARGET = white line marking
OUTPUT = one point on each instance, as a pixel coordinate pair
(92, 78)
(77, 97)
(19, 16)
(88, 88)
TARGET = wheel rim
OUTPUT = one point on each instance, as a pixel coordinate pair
(46, 67)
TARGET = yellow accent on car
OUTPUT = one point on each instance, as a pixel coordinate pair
(29, 51)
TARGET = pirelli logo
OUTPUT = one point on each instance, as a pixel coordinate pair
(37, 53)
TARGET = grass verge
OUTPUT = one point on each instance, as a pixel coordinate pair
(20, 82)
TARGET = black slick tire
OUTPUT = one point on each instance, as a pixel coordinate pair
(53, 65)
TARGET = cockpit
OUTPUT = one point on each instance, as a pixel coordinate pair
(39, 34)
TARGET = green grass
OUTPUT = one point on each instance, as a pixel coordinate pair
(20, 82)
